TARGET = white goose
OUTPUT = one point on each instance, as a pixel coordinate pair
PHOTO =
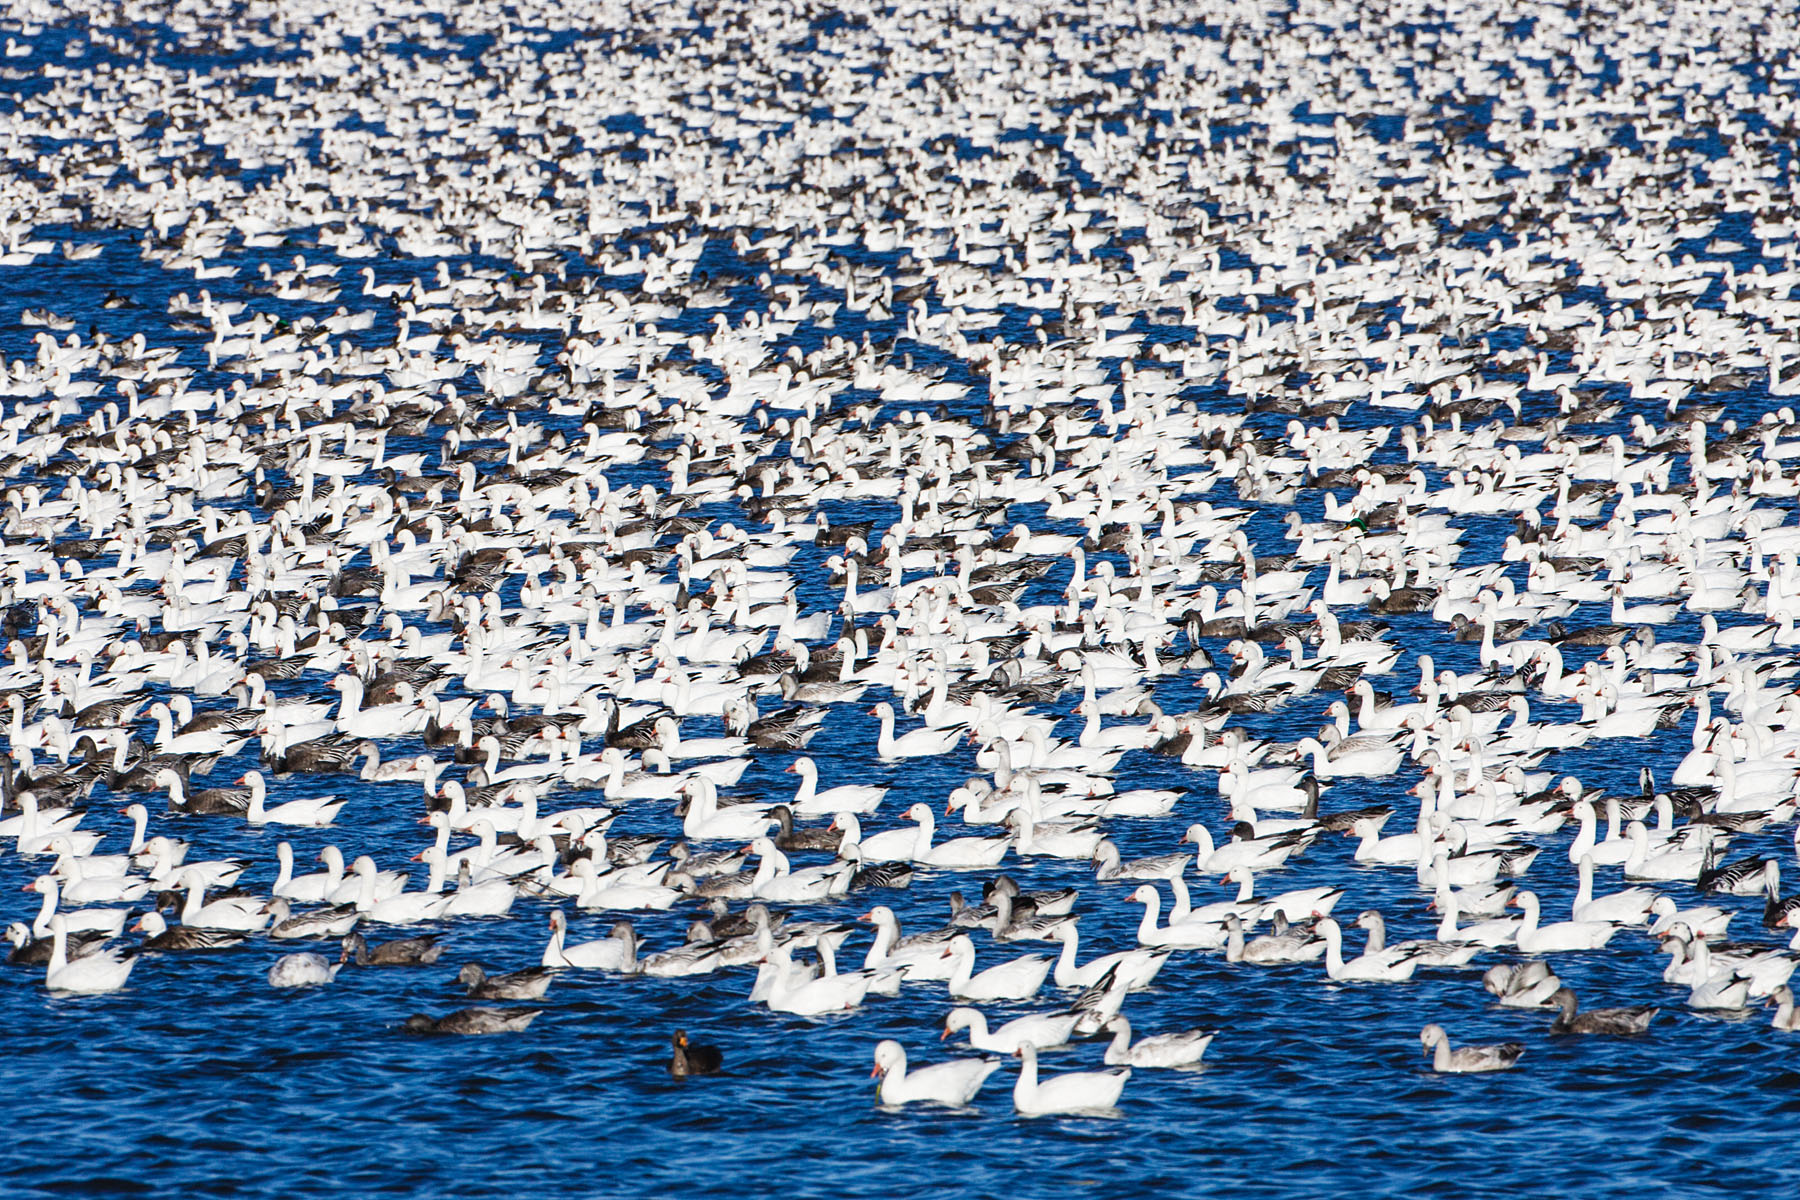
(313, 811)
(1075, 1092)
(956, 854)
(1043, 1030)
(616, 952)
(1631, 906)
(1560, 935)
(97, 972)
(1380, 966)
(1020, 979)
(1187, 935)
(951, 1083)
(1164, 1050)
(916, 743)
(1133, 969)
(859, 798)
(791, 992)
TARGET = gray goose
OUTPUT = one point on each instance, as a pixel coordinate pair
(401, 952)
(1620, 1022)
(1466, 1060)
(529, 984)
(470, 1021)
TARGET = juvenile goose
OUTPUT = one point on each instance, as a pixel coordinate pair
(400, 952)
(470, 1021)
(1466, 1060)
(529, 984)
(304, 969)
(1616, 1021)
(1164, 1050)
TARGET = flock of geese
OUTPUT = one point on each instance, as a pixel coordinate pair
(1138, 503)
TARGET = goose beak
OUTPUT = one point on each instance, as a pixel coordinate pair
(944, 1034)
(874, 1070)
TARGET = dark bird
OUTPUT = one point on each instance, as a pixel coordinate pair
(474, 1021)
(401, 952)
(690, 1059)
(1617, 1021)
(529, 984)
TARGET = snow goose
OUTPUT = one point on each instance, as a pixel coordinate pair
(615, 952)
(1301, 904)
(920, 956)
(964, 853)
(333, 921)
(305, 969)
(403, 908)
(1187, 935)
(238, 913)
(529, 984)
(1387, 965)
(1428, 953)
(1782, 1001)
(774, 880)
(1619, 1022)
(473, 1021)
(951, 1083)
(791, 992)
(1075, 1092)
(306, 889)
(1630, 906)
(159, 935)
(918, 743)
(859, 798)
(1108, 866)
(1395, 850)
(1559, 935)
(1466, 1060)
(1134, 969)
(1046, 1031)
(1353, 758)
(1244, 850)
(1706, 921)
(1273, 949)
(1682, 865)
(399, 952)
(314, 811)
(1163, 1050)
(1033, 837)
(1523, 985)
(1019, 979)
(707, 821)
(1493, 934)
(99, 971)
(887, 846)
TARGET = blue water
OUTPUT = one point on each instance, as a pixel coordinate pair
(201, 1080)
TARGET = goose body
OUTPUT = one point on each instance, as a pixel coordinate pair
(952, 1083)
(1075, 1092)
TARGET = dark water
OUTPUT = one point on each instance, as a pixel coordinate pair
(201, 1080)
